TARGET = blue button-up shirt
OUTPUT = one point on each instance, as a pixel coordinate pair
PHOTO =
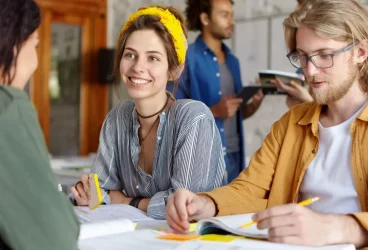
(201, 81)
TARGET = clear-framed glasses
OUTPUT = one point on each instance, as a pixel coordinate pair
(322, 61)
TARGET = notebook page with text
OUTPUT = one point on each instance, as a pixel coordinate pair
(110, 212)
(100, 229)
(137, 240)
(231, 224)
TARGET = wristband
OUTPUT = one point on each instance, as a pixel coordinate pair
(135, 201)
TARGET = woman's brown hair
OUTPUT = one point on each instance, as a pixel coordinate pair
(151, 22)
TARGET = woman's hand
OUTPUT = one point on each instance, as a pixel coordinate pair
(81, 190)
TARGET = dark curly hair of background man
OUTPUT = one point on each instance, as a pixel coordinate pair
(194, 9)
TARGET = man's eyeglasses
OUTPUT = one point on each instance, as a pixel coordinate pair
(322, 61)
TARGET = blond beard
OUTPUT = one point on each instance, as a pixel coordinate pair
(333, 92)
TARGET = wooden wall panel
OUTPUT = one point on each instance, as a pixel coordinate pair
(91, 15)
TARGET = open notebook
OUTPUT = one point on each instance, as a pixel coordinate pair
(231, 224)
(265, 77)
(108, 220)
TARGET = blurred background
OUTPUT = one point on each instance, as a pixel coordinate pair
(72, 88)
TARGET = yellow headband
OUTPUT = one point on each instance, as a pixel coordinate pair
(171, 23)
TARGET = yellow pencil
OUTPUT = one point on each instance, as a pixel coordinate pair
(309, 201)
(302, 203)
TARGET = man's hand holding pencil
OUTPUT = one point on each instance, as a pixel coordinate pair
(298, 225)
(289, 224)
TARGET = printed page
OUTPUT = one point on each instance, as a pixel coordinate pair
(137, 240)
(109, 212)
(99, 229)
(233, 223)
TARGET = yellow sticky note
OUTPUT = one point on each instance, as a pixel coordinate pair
(192, 227)
(178, 237)
(135, 225)
(218, 237)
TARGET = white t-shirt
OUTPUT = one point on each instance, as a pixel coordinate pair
(329, 175)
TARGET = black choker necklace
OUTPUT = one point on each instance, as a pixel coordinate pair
(158, 112)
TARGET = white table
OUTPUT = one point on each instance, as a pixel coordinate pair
(146, 239)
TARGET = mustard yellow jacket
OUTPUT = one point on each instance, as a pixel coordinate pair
(277, 169)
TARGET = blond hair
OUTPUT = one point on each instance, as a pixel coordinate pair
(341, 20)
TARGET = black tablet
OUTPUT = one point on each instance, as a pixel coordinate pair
(247, 92)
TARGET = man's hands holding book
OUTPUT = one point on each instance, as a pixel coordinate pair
(297, 94)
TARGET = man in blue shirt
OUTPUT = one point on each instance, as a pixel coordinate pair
(212, 75)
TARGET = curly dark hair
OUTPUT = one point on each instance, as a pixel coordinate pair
(194, 9)
(18, 20)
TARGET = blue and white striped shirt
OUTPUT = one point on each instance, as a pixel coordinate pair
(188, 154)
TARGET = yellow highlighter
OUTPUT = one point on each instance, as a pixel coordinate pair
(302, 203)
(192, 227)
(95, 198)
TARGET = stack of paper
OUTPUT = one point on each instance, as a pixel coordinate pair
(108, 220)
(110, 212)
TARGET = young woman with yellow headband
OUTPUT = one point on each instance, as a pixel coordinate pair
(154, 144)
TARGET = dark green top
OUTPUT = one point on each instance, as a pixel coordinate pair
(33, 213)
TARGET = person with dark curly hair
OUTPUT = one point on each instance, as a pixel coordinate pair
(33, 213)
(212, 76)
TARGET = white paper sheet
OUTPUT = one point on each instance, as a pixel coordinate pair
(145, 239)
(110, 212)
(137, 240)
(253, 245)
(100, 229)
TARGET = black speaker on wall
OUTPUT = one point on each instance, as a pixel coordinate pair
(105, 65)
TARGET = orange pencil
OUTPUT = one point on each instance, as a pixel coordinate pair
(302, 203)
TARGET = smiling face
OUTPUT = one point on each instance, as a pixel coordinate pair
(331, 84)
(144, 65)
